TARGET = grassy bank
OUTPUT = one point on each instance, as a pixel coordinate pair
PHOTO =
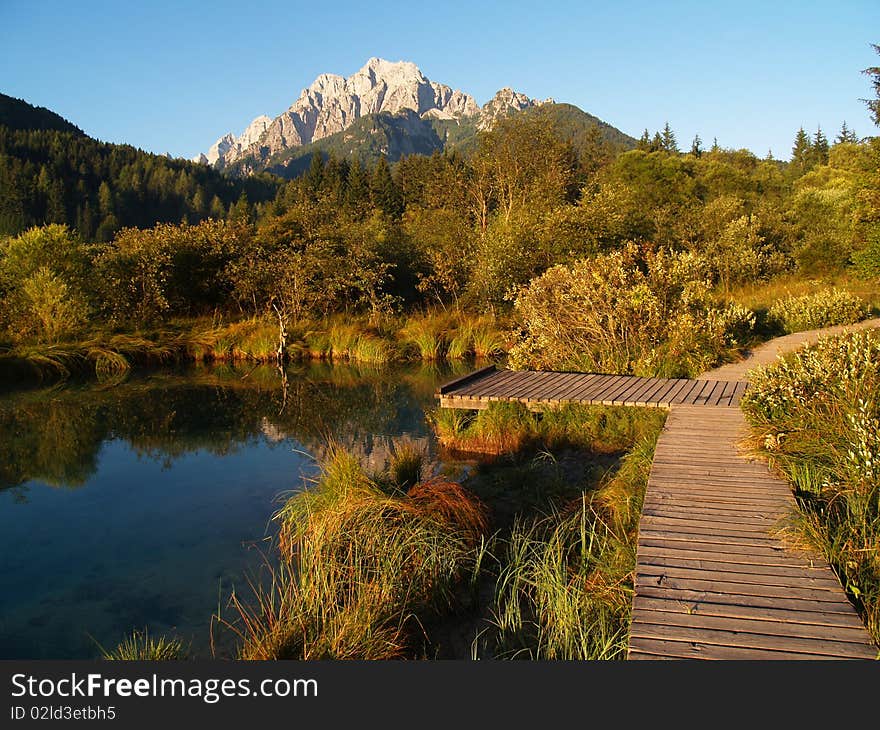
(816, 416)
(104, 354)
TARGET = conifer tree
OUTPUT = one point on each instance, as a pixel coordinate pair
(315, 175)
(820, 148)
(357, 189)
(668, 141)
(846, 135)
(697, 146)
(801, 152)
(385, 194)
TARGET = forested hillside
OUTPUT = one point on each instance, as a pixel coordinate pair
(51, 172)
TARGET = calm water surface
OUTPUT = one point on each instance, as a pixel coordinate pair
(139, 505)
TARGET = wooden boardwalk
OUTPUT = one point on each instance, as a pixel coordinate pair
(712, 581)
(539, 389)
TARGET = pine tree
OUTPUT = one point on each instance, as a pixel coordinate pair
(669, 143)
(357, 190)
(385, 194)
(315, 175)
(846, 135)
(241, 211)
(697, 146)
(801, 152)
(644, 142)
(656, 142)
(715, 146)
(217, 212)
(820, 148)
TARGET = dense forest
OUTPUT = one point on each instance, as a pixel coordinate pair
(51, 172)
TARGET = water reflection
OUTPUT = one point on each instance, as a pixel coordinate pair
(134, 505)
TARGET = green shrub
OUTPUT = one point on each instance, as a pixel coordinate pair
(631, 311)
(816, 415)
(824, 308)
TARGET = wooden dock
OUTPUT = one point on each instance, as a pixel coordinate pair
(712, 579)
(540, 389)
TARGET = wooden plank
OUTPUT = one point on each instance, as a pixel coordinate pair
(729, 574)
(630, 386)
(716, 525)
(818, 575)
(742, 599)
(738, 393)
(655, 395)
(553, 386)
(729, 389)
(637, 397)
(539, 381)
(813, 645)
(678, 386)
(490, 385)
(572, 382)
(671, 386)
(477, 385)
(732, 610)
(577, 384)
(525, 384)
(686, 392)
(717, 584)
(464, 379)
(708, 548)
(608, 386)
(588, 387)
(760, 626)
(683, 649)
(704, 385)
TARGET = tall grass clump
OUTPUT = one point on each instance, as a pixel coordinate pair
(565, 588)
(509, 427)
(140, 646)
(633, 311)
(359, 567)
(478, 336)
(501, 428)
(406, 464)
(824, 308)
(427, 336)
(816, 415)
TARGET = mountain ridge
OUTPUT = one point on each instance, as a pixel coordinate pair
(333, 103)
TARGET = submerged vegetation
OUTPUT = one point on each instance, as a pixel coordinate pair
(816, 416)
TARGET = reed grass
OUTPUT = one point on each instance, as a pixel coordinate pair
(406, 464)
(426, 336)
(358, 565)
(140, 646)
(565, 587)
(509, 427)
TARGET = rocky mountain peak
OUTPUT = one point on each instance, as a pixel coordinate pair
(333, 102)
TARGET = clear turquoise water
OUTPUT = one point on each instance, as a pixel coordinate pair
(140, 505)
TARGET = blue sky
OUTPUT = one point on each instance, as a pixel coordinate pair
(174, 76)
